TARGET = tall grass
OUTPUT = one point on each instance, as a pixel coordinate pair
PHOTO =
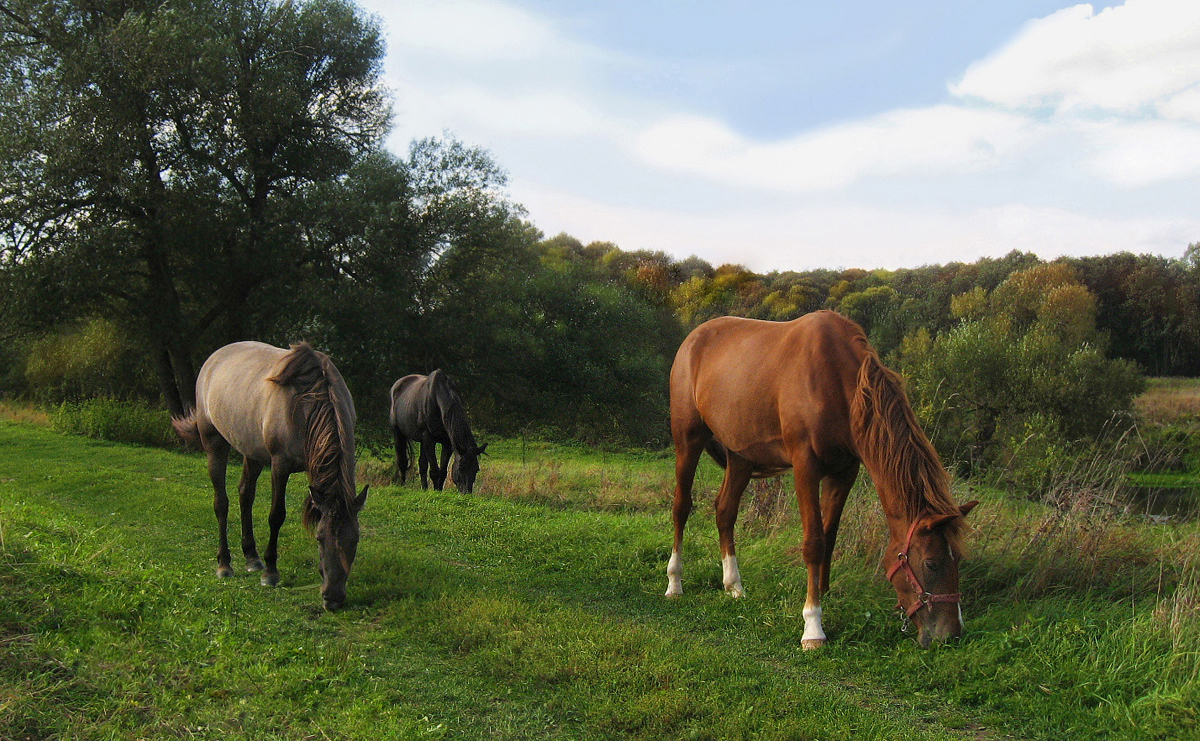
(134, 422)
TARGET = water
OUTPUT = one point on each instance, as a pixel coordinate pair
(1162, 504)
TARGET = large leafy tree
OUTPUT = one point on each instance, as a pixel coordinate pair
(152, 153)
(1026, 355)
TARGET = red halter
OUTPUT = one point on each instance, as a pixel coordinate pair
(924, 599)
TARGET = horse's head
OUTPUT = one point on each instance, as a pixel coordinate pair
(336, 530)
(465, 468)
(923, 567)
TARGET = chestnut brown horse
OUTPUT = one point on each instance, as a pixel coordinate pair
(811, 395)
(291, 410)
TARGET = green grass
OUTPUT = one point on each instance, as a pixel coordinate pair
(533, 609)
(1185, 480)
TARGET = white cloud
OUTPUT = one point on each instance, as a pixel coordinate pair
(1119, 60)
(1141, 153)
(1185, 106)
(849, 234)
(543, 113)
(937, 140)
(485, 31)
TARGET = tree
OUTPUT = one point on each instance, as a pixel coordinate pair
(152, 153)
(1024, 356)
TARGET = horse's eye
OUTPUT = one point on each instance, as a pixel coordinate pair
(932, 565)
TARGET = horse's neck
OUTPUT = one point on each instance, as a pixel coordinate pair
(454, 419)
(895, 507)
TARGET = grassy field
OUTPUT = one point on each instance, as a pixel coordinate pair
(533, 609)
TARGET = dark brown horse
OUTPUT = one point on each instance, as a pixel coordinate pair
(291, 410)
(811, 395)
(428, 410)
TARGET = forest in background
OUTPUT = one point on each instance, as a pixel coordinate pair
(174, 177)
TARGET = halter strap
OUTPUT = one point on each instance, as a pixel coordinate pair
(924, 598)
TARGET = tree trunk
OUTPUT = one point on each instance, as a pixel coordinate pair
(168, 385)
(185, 372)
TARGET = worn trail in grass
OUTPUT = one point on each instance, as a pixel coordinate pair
(468, 617)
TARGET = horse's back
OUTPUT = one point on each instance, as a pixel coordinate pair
(755, 383)
(408, 394)
(235, 395)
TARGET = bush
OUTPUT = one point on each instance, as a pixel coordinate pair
(96, 359)
(1169, 448)
(1020, 380)
(119, 421)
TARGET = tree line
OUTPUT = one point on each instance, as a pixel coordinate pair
(176, 175)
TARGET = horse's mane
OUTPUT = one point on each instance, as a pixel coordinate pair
(317, 399)
(897, 453)
(454, 417)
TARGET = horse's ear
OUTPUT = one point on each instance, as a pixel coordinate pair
(932, 521)
(482, 449)
(361, 500)
(965, 509)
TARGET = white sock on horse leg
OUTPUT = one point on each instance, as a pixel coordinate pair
(675, 575)
(731, 576)
(812, 624)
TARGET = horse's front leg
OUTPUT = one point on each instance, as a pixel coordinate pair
(808, 479)
(737, 475)
(246, 490)
(443, 467)
(279, 479)
(217, 451)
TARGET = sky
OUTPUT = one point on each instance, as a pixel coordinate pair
(800, 135)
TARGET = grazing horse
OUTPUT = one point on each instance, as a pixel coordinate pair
(291, 410)
(428, 410)
(811, 395)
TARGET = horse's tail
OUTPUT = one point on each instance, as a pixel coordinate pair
(187, 429)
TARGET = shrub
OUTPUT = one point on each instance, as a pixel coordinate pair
(118, 421)
(1019, 380)
(96, 359)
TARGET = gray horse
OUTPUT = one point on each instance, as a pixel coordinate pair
(428, 410)
(290, 410)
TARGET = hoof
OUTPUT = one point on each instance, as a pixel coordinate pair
(812, 644)
(254, 564)
(269, 578)
(735, 591)
(224, 572)
(673, 593)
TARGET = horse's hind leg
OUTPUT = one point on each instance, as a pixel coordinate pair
(401, 443)
(217, 451)
(423, 463)
(279, 479)
(737, 475)
(688, 449)
(246, 490)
